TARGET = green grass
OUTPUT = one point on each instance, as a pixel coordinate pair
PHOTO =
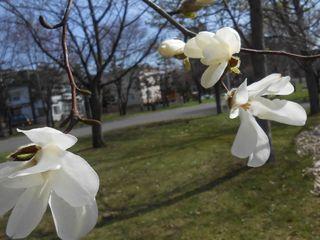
(178, 180)
(300, 94)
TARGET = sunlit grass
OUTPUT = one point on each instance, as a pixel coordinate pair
(178, 180)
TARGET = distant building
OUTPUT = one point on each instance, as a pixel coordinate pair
(21, 106)
(146, 88)
(150, 89)
(61, 105)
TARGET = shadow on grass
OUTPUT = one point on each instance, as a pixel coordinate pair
(127, 213)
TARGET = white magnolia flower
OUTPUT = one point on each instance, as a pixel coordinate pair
(171, 48)
(52, 176)
(248, 101)
(214, 50)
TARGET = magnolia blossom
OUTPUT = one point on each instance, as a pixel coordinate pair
(248, 102)
(52, 176)
(214, 50)
(171, 48)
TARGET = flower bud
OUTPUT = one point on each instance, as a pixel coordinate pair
(204, 2)
(189, 7)
(171, 48)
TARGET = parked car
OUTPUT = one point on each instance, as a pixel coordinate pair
(20, 120)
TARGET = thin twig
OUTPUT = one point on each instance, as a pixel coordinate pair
(225, 86)
(167, 16)
(280, 53)
(74, 116)
(190, 33)
(63, 22)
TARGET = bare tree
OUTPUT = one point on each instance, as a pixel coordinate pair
(296, 23)
(96, 30)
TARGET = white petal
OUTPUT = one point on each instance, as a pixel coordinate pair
(234, 112)
(70, 190)
(281, 87)
(241, 94)
(70, 222)
(204, 39)
(28, 212)
(8, 198)
(262, 150)
(82, 172)
(8, 168)
(282, 111)
(24, 181)
(262, 85)
(77, 183)
(285, 90)
(215, 52)
(231, 38)
(213, 74)
(246, 138)
(48, 158)
(273, 84)
(47, 135)
(192, 50)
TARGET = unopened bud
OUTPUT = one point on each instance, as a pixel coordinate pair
(171, 48)
(234, 64)
(189, 7)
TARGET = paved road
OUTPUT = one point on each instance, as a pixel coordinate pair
(178, 113)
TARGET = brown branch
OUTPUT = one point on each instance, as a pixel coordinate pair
(281, 53)
(62, 23)
(74, 116)
(189, 33)
(167, 16)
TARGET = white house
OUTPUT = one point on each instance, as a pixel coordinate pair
(145, 89)
(150, 90)
(61, 105)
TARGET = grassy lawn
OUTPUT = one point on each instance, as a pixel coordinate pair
(178, 180)
(300, 94)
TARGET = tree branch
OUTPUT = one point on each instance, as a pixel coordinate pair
(189, 33)
(74, 116)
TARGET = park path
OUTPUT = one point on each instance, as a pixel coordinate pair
(12, 143)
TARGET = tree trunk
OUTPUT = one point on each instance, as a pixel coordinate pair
(96, 111)
(217, 97)
(195, 73)
(311, 78)
(87, 107)
(258, 60)
(199, 92)
(31, 102)
(48, 109)
(122, 106)
(313, 88)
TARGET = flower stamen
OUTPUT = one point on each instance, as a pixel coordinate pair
(245, 106)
